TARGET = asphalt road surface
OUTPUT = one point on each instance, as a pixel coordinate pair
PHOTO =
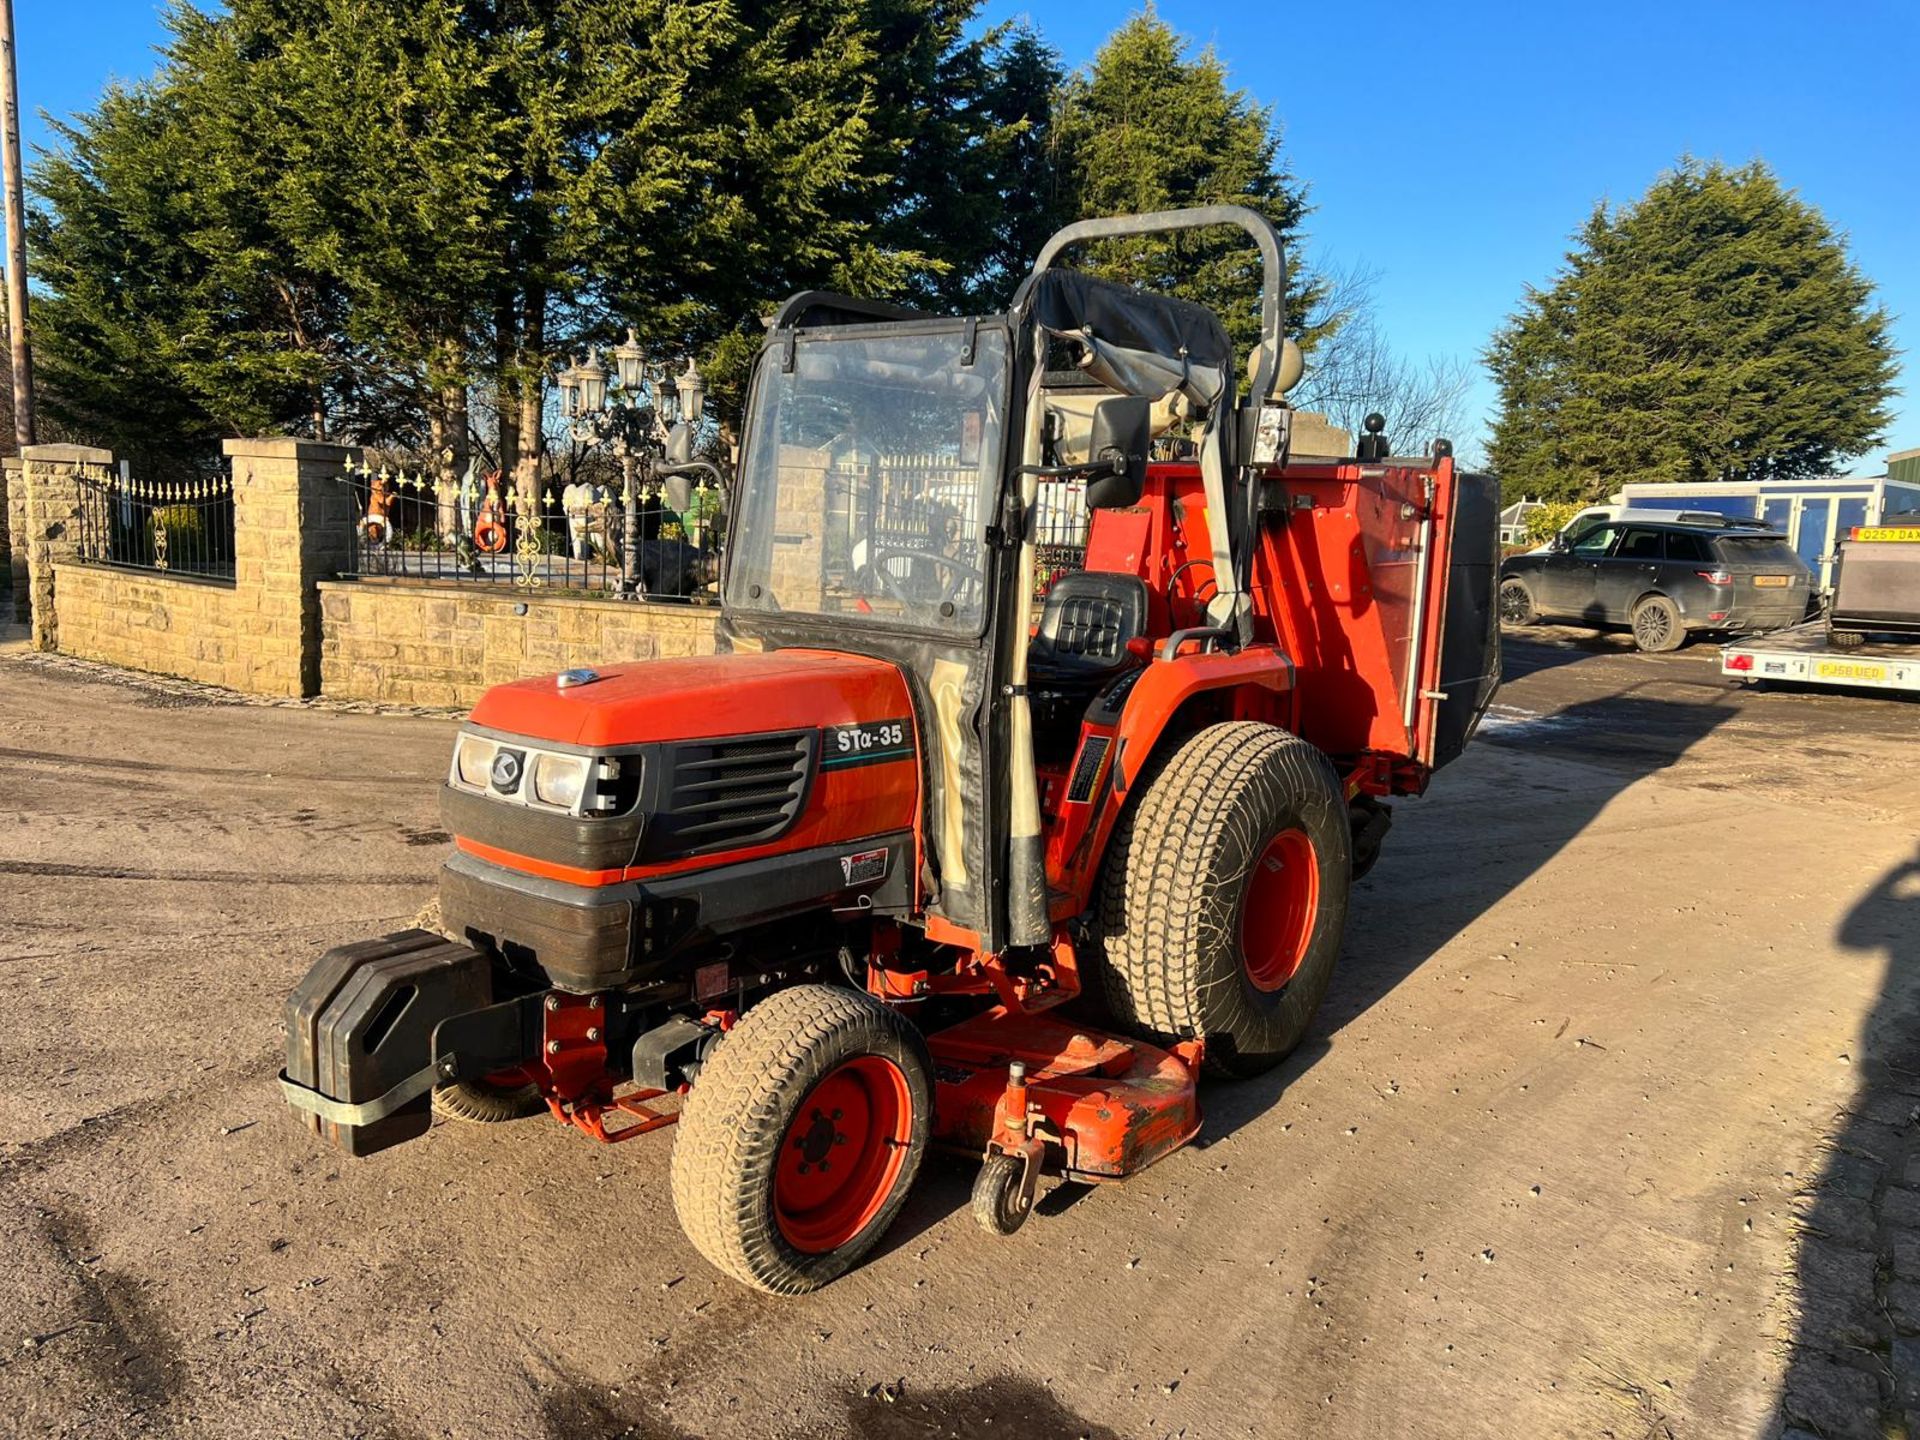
(1550, 1162)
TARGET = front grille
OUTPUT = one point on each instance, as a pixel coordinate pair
(723, 793)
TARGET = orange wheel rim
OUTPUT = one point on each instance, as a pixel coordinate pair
(842, 1154)
(1277, 914)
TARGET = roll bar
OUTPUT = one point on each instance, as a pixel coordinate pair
(1273, 290)
(828, 308)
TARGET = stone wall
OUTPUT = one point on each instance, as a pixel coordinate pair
(147, 621)
(285, 626)
(292, 528)
(292, 523)
(52, 475)
(418, 644)
(15, 550)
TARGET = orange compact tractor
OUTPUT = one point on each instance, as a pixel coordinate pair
(1027, 789)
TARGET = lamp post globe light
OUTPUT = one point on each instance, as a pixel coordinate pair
(648, 415)
(691, 389)
(591, 376)
(630, 363)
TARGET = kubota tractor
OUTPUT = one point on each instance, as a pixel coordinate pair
(1028, 787)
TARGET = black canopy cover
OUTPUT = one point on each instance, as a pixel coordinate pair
(1120, 317)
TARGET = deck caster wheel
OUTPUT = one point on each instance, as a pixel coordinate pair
(1003, 1193)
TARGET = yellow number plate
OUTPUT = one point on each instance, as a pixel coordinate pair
(1773, 581)
(1848, 670)
(1888, 532)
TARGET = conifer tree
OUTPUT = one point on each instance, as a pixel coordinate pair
(1152, 126)
(1714, 329)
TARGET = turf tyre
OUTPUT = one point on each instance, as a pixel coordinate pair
(1170, 948)
(749, 1102)
(482, 1102)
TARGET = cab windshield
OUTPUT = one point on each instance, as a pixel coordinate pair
(867, 477)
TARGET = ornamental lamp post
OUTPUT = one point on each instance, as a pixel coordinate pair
(690, 396)
(625, 418)
(650, 416)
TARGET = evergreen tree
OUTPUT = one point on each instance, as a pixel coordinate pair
(347, 217)
(1153, 127)
(977, 188)
(335, 215)
(170, 315)
(1715, 329)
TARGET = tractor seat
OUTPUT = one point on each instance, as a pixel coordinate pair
(1089, 617)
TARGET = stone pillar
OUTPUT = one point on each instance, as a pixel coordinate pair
(14, 546)
(292, 525)
(52, 525)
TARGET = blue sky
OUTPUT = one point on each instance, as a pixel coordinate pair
(1451, 149)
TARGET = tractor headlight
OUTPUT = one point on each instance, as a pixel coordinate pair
(560, 780)
(473, 761)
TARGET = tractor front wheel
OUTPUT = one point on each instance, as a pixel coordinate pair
(1225, 896)
(800, 1139)
(490, 1101)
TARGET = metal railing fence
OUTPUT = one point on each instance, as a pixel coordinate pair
(899, 504)
(171, 527)
(576, 537)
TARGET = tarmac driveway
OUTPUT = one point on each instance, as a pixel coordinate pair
(1619, 1009)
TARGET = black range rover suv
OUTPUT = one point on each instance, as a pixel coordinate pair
(1665, 581)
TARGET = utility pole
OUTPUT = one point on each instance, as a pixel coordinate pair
(16, 231)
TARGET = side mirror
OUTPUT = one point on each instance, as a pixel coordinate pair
(679, 493)
(680, 444)
(1122, 435)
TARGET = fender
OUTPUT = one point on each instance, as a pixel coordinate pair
(1167, 684)
(1261, 676)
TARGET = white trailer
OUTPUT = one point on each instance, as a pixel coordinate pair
(1804, 656)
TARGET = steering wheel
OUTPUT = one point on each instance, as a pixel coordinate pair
(958, 573)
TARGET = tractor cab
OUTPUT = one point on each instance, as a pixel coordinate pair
(1048, 662)
(927, 491)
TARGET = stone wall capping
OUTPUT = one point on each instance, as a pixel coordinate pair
(67, 454)
(289, 447)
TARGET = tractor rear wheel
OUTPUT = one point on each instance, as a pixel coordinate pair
(1225, 896)
(800, 1139)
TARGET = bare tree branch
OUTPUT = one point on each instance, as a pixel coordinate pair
(1356, 371)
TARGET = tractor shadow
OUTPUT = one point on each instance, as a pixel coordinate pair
(1489, 823)
(1853, 1370)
